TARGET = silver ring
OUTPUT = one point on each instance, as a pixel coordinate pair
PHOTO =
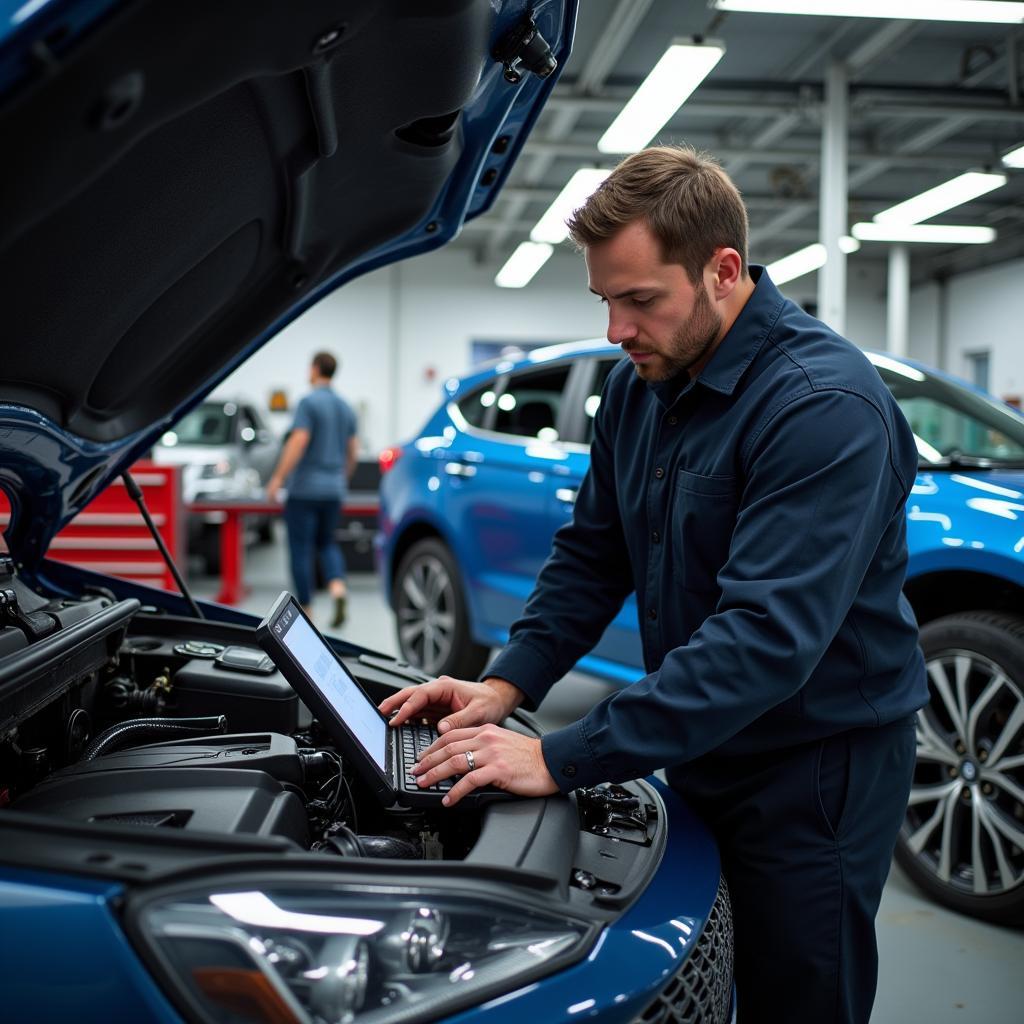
(471, 760)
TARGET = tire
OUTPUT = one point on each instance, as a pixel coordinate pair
(962, 839)
(431, 620)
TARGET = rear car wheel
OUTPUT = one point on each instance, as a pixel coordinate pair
(430, 611)
(962, 840)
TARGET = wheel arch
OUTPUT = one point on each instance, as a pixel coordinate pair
(933, 595)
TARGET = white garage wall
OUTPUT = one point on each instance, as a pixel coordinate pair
(986, 313)
(401, 331)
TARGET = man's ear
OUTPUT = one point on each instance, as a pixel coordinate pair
(727, 269)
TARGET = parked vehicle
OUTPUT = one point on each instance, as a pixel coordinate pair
(469, 507)
(184, 187)
(226, 453)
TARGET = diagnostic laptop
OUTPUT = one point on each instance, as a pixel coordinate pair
(383, 756)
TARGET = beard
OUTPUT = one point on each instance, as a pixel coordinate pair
(691, 342)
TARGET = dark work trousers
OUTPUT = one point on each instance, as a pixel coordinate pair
(312, 525)
(806, 836)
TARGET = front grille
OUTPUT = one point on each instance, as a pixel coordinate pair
(700, 992)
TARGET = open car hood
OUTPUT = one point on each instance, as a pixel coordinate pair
(181, 182)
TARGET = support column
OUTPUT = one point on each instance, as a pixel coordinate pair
(832, 221)
(898, 308)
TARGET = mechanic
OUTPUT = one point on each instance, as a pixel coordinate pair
(317, 459)
(748, 476)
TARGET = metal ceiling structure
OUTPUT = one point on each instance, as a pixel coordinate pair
(926, 101)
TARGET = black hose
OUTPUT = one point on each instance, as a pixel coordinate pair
(141, 730)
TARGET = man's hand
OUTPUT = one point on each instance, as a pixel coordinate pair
(497, 757)
(454, 703)
(274, 485)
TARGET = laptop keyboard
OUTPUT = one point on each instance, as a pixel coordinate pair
(416, 737)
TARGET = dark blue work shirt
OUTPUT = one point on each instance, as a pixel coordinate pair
(758, 513)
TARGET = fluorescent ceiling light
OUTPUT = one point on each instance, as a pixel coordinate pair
(1015, 158)
(798, 263)
(803, 261)
(949, 194)
(683, 66)
(997, 11)
(951, 234)
(551, 227)
(523, 264)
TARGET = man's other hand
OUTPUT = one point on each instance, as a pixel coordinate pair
(496, 757)
(454, 703)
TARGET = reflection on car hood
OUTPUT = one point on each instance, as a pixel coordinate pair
(186, 187)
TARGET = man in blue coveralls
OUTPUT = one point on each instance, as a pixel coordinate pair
(748, 476)
(317, 460)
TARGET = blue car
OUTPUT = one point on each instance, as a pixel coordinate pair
(468, 510)
(179, 839)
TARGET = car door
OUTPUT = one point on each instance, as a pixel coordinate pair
(621, 641)
(497, 482)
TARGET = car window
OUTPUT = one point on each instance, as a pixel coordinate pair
(208, 423)
(530, 403)
(593, 399)
(475, 407)
(249, 424)
(950, 421)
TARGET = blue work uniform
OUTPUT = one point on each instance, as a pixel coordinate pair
(316, 488)
(757, 511)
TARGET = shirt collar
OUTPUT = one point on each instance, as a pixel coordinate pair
(746, 336)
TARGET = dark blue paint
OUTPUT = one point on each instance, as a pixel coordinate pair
(65, 957)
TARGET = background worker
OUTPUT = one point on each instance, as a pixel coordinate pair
(317, 461)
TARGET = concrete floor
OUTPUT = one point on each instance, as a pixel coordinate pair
(936, 967)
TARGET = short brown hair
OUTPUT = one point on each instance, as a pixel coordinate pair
(687, 200)
(325, 364)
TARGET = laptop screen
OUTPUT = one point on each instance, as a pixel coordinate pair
(338, 689)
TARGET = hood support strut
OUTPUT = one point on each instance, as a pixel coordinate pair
(135, 493)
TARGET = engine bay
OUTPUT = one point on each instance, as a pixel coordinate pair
(122, 722)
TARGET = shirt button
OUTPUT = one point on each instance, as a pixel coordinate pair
(569, 771)
(673, 420)
(656, 537)
(652, 614)
(659, 473)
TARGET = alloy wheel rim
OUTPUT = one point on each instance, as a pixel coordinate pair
(965, 816)
(426, 613)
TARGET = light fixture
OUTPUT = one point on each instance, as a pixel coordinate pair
(551, 228)
(950, 234)
(520, 267)
(682, 67)
(1015, 158)
(955, 192)
(803, 261)
(994, 11)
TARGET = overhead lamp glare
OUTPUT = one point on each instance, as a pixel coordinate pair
(520, 267)
(671, 82)
(949, 234)
(803, 261)
(1015, 158)
(998, 12)
(955, 192)
(551, 227)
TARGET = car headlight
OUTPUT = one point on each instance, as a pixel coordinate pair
(342, 955)
(213, 470)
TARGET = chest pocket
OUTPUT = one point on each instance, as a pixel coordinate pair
(703, 519)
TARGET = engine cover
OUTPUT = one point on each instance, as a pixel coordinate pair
(215, 800)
